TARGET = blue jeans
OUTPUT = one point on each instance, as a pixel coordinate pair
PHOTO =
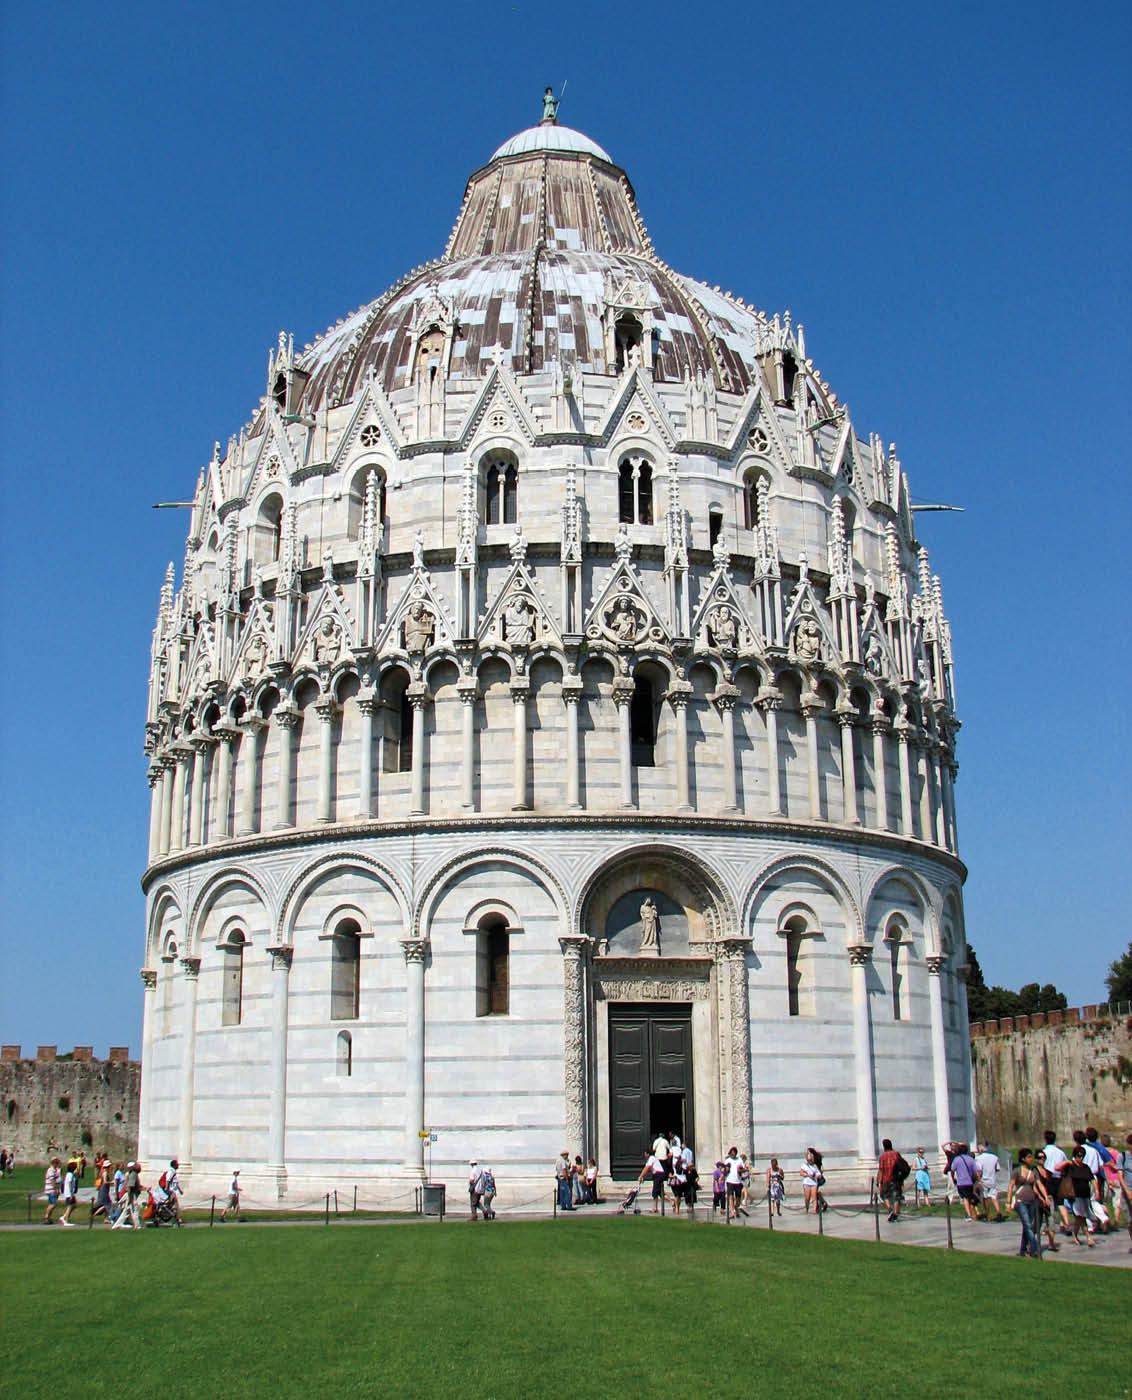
(564, 1201)
(1028, 1215)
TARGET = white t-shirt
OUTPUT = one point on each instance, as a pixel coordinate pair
(1055, 1159)
(70, 1186)
(810, 1172)
(734, 1171)
(234, 1186)
(686, 1156)
(654, 1166)
(1092, 1158)
(661, 1148)
(987, 1164)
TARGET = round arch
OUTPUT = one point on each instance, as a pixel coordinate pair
(438, 882)
(332, 864)
(212, 889)
(819, 870)
(692, 882)
(920, 889)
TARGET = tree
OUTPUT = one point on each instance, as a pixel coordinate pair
(988, 1003)
(1119, 979)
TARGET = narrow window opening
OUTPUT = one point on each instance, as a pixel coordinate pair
(793, 972)
(493, 970)
(279, 391)
(345, 971)
(345, 1055)
(752, 502)
(232, 992)
(894, 947)
(715, 526)
(625, 492)
(644, 494)
(642, 723)
(430, 355)
(405, 735)
(501, 491)
(628, 337)
(789, 374)
(494, 510)
(510, 495)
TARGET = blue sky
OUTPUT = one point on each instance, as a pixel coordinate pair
(941, 194)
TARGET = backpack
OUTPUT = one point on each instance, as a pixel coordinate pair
(487, 1184)
(900, 1170)
(163, 1181)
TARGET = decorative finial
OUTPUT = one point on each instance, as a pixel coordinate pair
(549, 108)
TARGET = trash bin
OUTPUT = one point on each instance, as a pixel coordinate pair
(432, 1198)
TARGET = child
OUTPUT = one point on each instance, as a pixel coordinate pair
(719, 1187)
(923, 1179)
(776, 1185)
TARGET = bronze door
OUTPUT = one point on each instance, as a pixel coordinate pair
(650, 1080)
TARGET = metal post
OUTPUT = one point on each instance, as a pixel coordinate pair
(947, 1208)
(554, 1202)
(769, 1211)
(212, 1213)
(876, 1208)
(335, 1205)
(328, 1208)
(662, 1202)
(821, 1212)
(355, 1200)
(29, 1207)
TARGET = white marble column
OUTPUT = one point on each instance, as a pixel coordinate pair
(520, 690)
(153, 777)
(848, 768)
(367, 707)
(679, 701)
(725, 698)
(575, 1040)
(198, 828)
(326, 709)
(939, 1050)
(880, 728)
(736, 1070)
(226, 738)
(950, 769)
(415, 951)
(181, 755)
(924, 767)
(280, 955)
(418, 696)
(812, 710)
(190, 967)
(859, 954)
(939, 805)
(906, 826)
(623, 698)
(571, 698)
(167, 768)
(770, 705)
(248, 777)
(149, 982)
(468, 747)
(286, 722)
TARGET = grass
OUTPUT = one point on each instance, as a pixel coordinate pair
(580, 1308)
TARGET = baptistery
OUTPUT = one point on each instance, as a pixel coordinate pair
(551, 738)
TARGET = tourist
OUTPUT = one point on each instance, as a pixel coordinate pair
(487, 1193)
(119, 1185)
(1126, 1183)
(233, 1206)
(590, 1182)
(745, 1200)
(734, 1170)
(654, 1170)
(1047, 1200)
(129, 1217)
(662, 1151)
(1025, 1194)
(70, 1192)
(922, 1179)
(3, 1161)
(719, 1187)
(1079, 1173)
(52, 1186)
(988, 1164)
(475, 1186)
(102, 1203)
(171, 1184)
(812, 1179)
(965, 1174)
(1055, 1165)
(892, 1172)
(1097, 1217)
(577, 1180)
(562, 1175)
(775, 1185)
(82, 1165)
(691, 1171)
(678, 1181)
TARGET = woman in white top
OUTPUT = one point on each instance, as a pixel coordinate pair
(811, 1175)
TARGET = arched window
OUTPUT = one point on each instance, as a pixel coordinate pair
(500, 489)
(895, 939)
(715, 526)
(345, 971)
(493, 969)
(268, 530)
(405, 734)
(397, 736)
(796, 934)
(357, 502)
(279, 391)
(430, 356)
(753, 499)
(789, 374)
(628, 335)
(634, 490)
(344, 1058)
(643, 722)
(232, 973)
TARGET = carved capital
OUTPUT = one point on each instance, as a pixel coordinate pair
(149, 978)
(369, 704)
(286, 717)
(191, 968)
(418, 695)
(521, 691)
(880, 726)
(935, 963)
(846, 718)
(201, 743)
(326, 709)
(571, 694)
(281, 955)
(623, 689)
(573, 945)
(226, 733)
(251, 725)
(414, 949)
(725, 696)
(859, 954)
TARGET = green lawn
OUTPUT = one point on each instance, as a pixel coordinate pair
(577, 1308)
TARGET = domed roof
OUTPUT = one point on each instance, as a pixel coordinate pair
(549, 136)
(548, 250)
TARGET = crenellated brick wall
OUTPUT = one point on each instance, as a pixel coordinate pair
(72, 1102)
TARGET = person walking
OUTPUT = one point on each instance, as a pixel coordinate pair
(233, 1206)
(679, 1182)
(102, 1203)
(735, 1170)
(1055, 1162)
(1047, 1200)
(52, 1188)
(719, 1187)
(812, 1179)
(1079, 1172)
(892, 1172)
(988, 1165)
(562, 1177)
(487, 1193)
(965, 1175)
(475, 1187)
(1025, 1194)
(129, 1217)
(70, 1193)
(775, 1185)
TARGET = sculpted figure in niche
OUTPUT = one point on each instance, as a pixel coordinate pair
(807, 640)
(327, 642)
(874, 655)
(650, 928)
(255, 657)
(723, 628)
(625, 620)
(419, 627)
(519, 621)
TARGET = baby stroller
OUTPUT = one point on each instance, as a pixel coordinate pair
(630, 1200)
(159, 1211)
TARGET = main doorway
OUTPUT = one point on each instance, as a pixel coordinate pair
(650, 1080)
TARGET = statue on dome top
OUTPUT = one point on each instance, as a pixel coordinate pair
(549, 108)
